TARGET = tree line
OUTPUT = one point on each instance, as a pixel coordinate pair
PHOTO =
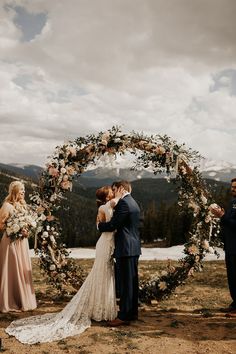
(161, 217)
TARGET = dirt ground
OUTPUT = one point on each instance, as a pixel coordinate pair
(190, 322)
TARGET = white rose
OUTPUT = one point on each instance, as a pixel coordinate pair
(8, 231)
(52, 267)
(52, 238)
(42, 217)
(204, 199)
(33, 224)
(62, 163)
(63, 170)
(15, 228)
(45, 234)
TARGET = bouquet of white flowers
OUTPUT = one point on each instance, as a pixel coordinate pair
(20, 223)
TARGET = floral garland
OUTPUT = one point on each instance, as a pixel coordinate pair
(158, 153)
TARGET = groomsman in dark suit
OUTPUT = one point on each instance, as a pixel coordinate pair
(125, 222)
(228, 225)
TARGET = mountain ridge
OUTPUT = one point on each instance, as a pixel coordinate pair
(210, 169)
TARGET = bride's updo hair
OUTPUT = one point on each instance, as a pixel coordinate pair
(13, 191)
(102, 194)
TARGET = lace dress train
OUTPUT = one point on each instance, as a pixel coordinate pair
(95, 300)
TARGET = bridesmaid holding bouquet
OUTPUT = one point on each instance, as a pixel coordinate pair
(16, 286)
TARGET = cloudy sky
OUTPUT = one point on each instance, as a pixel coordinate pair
(74, 67)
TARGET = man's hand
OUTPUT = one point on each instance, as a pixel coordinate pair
(217, 211)
(120, 192)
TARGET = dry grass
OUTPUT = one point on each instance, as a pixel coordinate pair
(188, 322)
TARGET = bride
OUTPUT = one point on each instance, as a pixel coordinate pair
(95, 300)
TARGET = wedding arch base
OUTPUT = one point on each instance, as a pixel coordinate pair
(157, 153)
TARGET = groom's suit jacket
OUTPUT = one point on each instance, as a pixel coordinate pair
(125, 221)
(228, 224)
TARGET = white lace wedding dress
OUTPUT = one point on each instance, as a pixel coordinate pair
(95, 300)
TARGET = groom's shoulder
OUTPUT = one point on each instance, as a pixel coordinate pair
(129, 199)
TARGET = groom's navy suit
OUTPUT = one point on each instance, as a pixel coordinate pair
(228, 224)
(125, 221)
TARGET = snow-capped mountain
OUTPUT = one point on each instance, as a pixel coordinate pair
(218, 170)
(119, 167)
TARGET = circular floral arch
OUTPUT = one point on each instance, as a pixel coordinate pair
(156, 152)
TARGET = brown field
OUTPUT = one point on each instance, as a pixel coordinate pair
(189, 322)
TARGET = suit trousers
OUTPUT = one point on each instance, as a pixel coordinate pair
(128, 287)
(230, 260)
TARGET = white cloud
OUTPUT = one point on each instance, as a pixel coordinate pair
(145, 65)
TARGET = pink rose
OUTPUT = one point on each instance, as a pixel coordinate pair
(66, 185)
(71, 151)
(53, 171)
(70, 170)
(160, 150)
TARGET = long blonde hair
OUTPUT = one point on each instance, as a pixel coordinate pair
(13, 191)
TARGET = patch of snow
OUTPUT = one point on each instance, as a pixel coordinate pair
(173, 253)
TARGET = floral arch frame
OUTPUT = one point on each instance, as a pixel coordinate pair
(161, 154)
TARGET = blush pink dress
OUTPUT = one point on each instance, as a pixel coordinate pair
(16, 285)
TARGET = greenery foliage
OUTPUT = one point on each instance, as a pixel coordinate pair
(158, 153)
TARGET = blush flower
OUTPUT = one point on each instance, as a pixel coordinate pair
(71, 151)
(53, 171)
(205, 244)
(67, 185)
(193, 250)
(70, 170)
(162, 285)
(160, 150)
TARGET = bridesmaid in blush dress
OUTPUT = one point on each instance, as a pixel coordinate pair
(16, 286)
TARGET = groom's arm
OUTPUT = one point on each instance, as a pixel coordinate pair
(229, 219)
(117, 220)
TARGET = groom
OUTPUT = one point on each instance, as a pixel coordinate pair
(125, 222)
(228, 225)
